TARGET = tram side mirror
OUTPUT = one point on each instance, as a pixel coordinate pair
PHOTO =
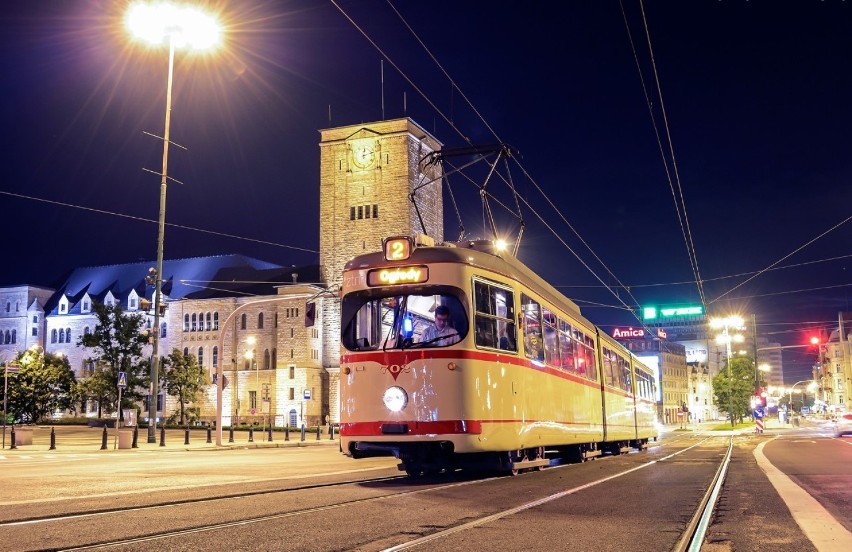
(310, 314)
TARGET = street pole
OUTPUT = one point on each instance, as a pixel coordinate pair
(158, 277)
(5, 402)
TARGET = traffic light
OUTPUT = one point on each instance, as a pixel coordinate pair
(760, 396)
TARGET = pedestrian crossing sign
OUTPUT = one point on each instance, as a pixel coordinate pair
(122, 380)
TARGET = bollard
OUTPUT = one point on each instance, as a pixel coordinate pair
(331, 432)
(13, 447)
(319, 432)
(209, 436)
(163, 436)
(251, 435)
(135, 437)
(269, 437)
(186, 436)
(104, 439)
(303, 432)
(52, 439)
(287, 433)
(231, 434)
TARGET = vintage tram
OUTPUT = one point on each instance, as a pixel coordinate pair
(460, 356)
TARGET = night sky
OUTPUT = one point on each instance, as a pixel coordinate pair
(756, 97)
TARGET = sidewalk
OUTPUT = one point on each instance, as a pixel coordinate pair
(82, 439)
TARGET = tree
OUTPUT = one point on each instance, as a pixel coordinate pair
(99, 386)
(116, 344)
(43, 385)
(183, 378)
(735, 391)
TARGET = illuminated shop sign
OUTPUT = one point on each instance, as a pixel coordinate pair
(652, 313)
(397, 276)
(628, 333)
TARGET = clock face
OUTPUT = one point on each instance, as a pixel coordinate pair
(364, 156)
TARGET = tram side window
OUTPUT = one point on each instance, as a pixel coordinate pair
(608, 361)
(495, 317)
(627, 378)
(531, 320)
(585, 356)
(551, 339)
(566, 347)
(591, 360)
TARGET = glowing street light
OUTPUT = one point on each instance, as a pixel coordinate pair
(182, 27)
(727, 324)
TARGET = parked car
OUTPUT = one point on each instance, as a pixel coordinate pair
(843, 424)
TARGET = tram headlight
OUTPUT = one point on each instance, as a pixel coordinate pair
(395, 398)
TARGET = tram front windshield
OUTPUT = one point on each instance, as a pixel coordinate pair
(373, 322)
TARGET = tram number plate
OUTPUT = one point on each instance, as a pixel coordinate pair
(396, 429)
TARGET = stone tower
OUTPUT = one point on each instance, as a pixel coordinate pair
(367, 174)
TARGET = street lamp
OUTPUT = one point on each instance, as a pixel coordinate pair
(727, 324)
(182, 27)
(810, 387)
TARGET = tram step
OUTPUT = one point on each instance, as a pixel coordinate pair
(591, 454)
(525, 464)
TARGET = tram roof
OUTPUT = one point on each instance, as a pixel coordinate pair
(480, 254)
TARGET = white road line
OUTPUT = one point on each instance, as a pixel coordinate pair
(826, 534)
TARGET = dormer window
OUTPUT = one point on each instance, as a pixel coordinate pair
(87, 305)
(63, 306)
(133, 303)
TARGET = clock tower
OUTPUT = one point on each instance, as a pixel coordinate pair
(367, 175)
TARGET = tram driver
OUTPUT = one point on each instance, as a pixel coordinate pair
(440, 334)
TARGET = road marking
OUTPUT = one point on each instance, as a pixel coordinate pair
(826, 534)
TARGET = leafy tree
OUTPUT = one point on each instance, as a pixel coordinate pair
(43, 385)
(100, 386)
(116, 343)
(184, 379)
(734, 392)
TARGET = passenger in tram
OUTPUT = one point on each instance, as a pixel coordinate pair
(441, 333)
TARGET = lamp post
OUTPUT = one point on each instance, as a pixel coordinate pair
(727, 324)
(812, 385)
(182, 27)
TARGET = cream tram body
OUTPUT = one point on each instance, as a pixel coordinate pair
(524, 373)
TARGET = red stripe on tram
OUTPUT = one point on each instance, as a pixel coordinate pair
(445, 427)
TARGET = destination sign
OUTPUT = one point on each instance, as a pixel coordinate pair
(397, 249)
(397, 275)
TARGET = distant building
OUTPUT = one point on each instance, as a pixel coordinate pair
(22, 320)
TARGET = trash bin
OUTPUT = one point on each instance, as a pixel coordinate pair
(125, 438)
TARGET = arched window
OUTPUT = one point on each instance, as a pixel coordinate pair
(260, 321)
(247, 365)
(53, 335)
(67, 335)
(14, 336)
(61, 336)
(207, 322)
(293, 421)
(87, 330)
(7, 338)
(17, 306)
(274, 358)
(194, 322)
(243, 321)
(186, 322)
(201, 356)
(186, 351)
(163, 327)
(215, 356)
(215, 320)
(266, 359)
(8, 307)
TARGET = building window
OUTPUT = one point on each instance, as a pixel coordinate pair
(274, 358)
(163, 329)
(291, 353)
(201, 356)
(186, 351)
(292, 372)
(14, 336)
(375, 210)
(62, 307)
(61, 335)
(132, 303)
(260, 321)
(67, 335)
(53, 336)
(276, 319)
(194, 321)
(292, 395)
(266, 359)
(352, 213)
(243, 321)
(35, 332)
(252, 399)
(86, 305)
(215, 321)
(207, 320)
(292, 332)
(215, 356)
(35, 319)
(247, 365)
(360, 212)
(186, 322)
(8, 307)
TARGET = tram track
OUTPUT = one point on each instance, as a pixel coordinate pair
(143, 539)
